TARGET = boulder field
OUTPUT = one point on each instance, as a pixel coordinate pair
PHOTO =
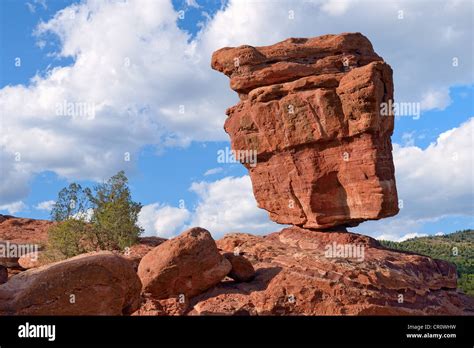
(292, 272)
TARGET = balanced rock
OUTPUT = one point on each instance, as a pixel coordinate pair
(311, 128)
(99, 283)
(242, 269)
(307, 272)
(183, 266)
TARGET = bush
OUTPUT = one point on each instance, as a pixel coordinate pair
(103, 219)
(69, 237)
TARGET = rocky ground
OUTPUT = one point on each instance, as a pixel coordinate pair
(291, 272)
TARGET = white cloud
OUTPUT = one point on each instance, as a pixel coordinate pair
(408, 138)
(432, 183)
(224, 206)
(213, 171)
(435, 99)
(396, 238)
(337, 7)
(192, 3)
(136, 68)
(14, 207)
(138, 72)
(30, 7)
(228, 205)
(163, 220)
(45, 205)
(411, 235)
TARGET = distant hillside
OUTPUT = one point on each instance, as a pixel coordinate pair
(445, 248)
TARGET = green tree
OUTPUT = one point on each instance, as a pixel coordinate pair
(73, 202)
(115, 214)
(103, 219)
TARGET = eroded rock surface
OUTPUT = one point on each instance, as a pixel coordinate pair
(99, 283)
(310, 109)
(297, 274)
(183, 266)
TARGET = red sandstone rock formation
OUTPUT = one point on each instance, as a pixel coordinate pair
(23, 231)
(99, 283)
(136, 252)
(310, 109)
(183, 266)
(297, 275)
(242, 269)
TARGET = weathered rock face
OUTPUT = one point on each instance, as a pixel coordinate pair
(186, 265)
(310, 111)
(100, 283)
(242, 269)
(136, 252)
(23, 231)
(22, 235)
(304, 272)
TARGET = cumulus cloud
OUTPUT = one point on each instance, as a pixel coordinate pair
(224, 206)
(432, 183)
(138, 79)
(228, 205)
(14, 207)
(45, 205)
(163, 220)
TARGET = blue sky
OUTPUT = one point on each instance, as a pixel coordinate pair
(173, 169)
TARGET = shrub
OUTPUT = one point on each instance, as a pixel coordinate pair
(103, 219)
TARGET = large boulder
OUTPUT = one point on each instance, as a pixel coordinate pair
(99, 283)
(310, 130)
(304, 272)
(183, 266)
(136, 252)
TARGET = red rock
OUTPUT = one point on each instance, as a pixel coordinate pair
(23, 231)
(99, 283)
(295, 275)
(166, 307)
(242, 270)
(186, 265)
(31, 260)
(323, 149)
(136, 252)
(3, 274)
